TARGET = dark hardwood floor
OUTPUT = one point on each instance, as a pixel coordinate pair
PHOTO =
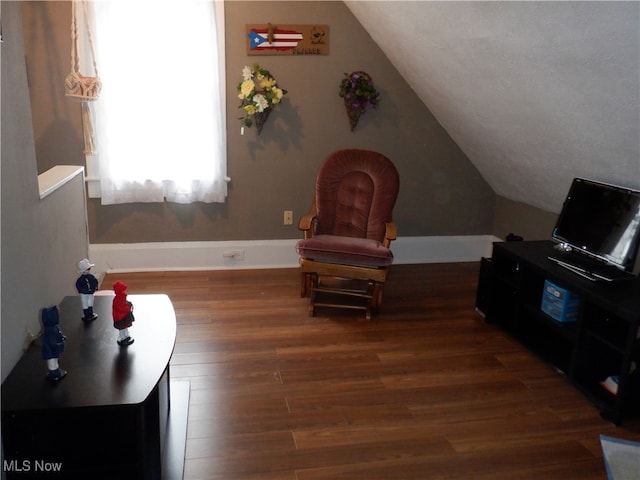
(427, 390)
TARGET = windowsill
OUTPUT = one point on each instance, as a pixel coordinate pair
(56, 177)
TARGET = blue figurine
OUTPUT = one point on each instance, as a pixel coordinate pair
(87, 285)
(53, 343)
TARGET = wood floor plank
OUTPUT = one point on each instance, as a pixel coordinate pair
(426, 390)
(507, 464)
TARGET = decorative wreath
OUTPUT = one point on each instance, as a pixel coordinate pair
(358, 91)
(258, 93)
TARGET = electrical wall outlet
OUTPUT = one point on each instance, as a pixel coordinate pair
(288, 217)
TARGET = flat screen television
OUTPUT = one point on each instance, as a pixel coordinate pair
(601, 221)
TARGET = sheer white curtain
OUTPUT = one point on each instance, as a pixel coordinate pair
(160, 120)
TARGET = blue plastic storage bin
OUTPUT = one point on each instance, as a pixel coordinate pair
(559, 303)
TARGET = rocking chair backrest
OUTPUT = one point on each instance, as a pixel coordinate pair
(356, 191)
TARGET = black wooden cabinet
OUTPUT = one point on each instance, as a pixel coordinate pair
(108, 417)
(602, 341)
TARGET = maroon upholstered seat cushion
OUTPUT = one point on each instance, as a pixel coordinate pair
(345, 250)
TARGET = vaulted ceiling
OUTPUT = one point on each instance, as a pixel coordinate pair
(535, 93)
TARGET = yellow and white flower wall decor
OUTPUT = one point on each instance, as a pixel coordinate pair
(258, 93)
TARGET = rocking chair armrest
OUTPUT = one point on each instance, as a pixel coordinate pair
(391, 233)
(307, 222)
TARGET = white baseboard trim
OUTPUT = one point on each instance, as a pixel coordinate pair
(248, 254)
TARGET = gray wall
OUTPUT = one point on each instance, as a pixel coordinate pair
(521, 219)
(441, 191)
(42, 240)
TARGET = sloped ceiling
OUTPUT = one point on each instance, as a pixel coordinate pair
(535, 93)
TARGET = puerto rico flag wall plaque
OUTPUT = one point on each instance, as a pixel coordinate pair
(272, 39)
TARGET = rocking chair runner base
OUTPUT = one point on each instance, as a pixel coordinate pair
(370, 294)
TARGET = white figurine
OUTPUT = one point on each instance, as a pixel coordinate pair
(87, 285)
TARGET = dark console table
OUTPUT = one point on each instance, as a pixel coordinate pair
(111, 416)
(604, 339)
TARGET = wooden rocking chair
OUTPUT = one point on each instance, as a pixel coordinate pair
(345, 251)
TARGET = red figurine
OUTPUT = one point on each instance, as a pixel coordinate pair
(122, 314)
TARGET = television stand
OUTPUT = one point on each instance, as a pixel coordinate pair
(602, 342)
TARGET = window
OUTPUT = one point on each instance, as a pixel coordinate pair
(159, 123)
